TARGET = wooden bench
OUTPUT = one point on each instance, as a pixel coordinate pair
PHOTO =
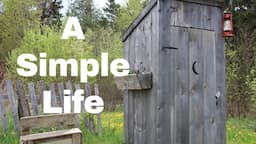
(69, 134)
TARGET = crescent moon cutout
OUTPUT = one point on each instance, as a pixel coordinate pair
(194, 68)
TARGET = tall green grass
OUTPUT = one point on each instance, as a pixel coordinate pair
(112, 123)
(10, 136)
(239, 131)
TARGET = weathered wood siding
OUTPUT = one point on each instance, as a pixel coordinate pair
(141, 50)
(181, 43)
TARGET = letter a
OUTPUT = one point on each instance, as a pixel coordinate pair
(77, 32)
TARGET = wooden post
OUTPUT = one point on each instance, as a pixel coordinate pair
(61, 94)
(3, 111)
(70, 87)
(41, 92)
(34, 99)
(89, 121)
(97, 93)
(53, 93)
(77, 87)
(13, 106)
(23, 102)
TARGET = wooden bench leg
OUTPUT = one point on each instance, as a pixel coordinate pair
(77, 139)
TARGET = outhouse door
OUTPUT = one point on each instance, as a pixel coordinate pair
(195, 102)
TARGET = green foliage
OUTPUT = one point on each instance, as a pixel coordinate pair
(239, 131)
(49, 41)
(241, 59)
(128, 13)
(106, 40)
(111, 10)
(9, 136)
(244, 13)
(87, 14)
(112, 124)
(252, 85)
(18, 16)
(51, 15)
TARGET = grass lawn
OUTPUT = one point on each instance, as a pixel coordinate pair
(239, 131)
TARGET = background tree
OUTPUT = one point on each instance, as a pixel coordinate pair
(87, 14)
(51, 15)
(47, 39)
(241, 59)
(17, 17)
(128, 13)
(111, 10)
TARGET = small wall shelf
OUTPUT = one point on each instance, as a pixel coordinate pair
(139, 81)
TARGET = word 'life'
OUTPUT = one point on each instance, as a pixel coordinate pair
(92, 104)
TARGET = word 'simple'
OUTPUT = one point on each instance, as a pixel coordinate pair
(91, 67)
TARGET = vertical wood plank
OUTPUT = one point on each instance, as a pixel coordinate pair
(126, 116)
(3, 111)
(24, 104)
(77, 87)
(130, 95)
(156, 74)
(87, 89)
(220, 77)
(89, 120)
(13, 106)
(209, 91)
(125, 100)
(61, 94)
(146, 55)
(41, 92)
(34, 99)
(141, 99)
(138, 95)
(196, 98)
(70, 87)
(77, 139)
(97, 93)
(181, 80)
(166, 67)
(145, 99)
(53, 93)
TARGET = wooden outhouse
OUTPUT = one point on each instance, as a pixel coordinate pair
(178, 46)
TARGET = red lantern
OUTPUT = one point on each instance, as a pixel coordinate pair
(228, 25)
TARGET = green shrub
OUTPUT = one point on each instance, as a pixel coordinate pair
(47, 40)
